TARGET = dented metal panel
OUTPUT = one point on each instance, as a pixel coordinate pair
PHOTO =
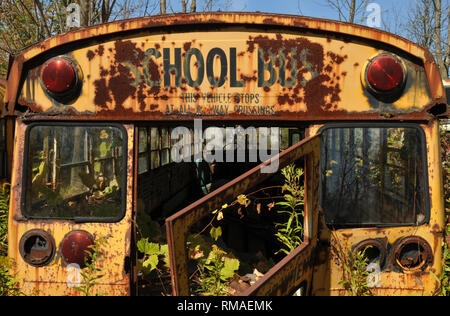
(289, 273)
(299, 69)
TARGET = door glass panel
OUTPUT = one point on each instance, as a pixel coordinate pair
(74, 171)
(373, 176)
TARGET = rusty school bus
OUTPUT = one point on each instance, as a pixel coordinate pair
(93, 111)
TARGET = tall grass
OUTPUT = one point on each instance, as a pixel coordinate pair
(4, 207)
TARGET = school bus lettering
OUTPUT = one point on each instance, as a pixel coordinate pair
(173, 67)
(219, 104)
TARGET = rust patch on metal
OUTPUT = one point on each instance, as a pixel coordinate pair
(90, 55)
(321, 92)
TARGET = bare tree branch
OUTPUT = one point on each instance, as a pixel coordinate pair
(44, 23)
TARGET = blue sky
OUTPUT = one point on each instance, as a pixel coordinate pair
(314, 8)
(393, 12)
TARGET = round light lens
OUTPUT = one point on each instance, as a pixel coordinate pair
(58, 75)
(412, 253)
(75, 247)
(37, 247)
(385, 73)
(374, 251)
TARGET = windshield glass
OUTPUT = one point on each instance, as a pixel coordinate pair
(74, 171)
(373, 176)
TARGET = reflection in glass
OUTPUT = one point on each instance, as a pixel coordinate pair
(74, 171)
(372, 176)
(142, 144)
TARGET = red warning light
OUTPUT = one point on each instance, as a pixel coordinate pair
(75, 247)
(385, 73)
(59, 75)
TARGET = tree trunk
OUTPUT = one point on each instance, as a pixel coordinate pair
(43, 19)
(352, 11)
(194, 6)
(437, 37)
(162, 6)
(106, 9)
(447, 46)
(85, 10)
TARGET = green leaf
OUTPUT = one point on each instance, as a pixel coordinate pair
(151, 262)
(242, 200)
(215, 232)
(104, 148)
(148, 248)
(230, 266)
(164, 250)
(283, 204)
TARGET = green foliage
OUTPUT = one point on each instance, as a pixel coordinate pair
(9, 285)
(444, 278)
(216, 232)
(52, 198)
(92, 272)
(355, 273)
(146, 226)
(290, 233)
(154, 254)
(4, 208)
(215, 266)
(216, 271)
(153, 262)
(445, 150)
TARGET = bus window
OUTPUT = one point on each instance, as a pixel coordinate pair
(74, 171)
(373, 176)
(290, 136)
(143, 148)
(165, 146)
(155, 161)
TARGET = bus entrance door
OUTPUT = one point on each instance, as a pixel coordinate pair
(294, 270)
(76, 191)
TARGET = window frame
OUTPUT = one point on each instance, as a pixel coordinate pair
(3, 151)
(84, 219)
(423, 148)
